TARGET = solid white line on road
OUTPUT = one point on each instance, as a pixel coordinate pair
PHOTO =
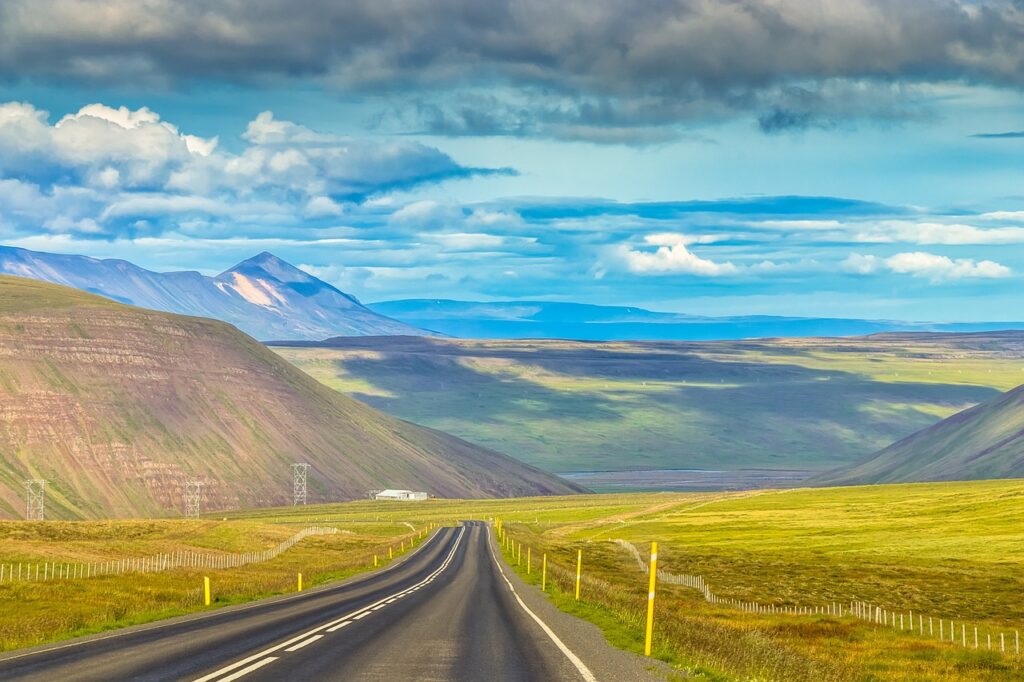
(339, 626)
(573, 658)
(355, 615)
(246, 671)
(309, 641)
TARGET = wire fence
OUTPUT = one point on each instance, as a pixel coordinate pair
(58, 570)
(965, 634)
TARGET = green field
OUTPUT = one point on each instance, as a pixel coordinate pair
(565, 406)
(944, 550)
(36, 612)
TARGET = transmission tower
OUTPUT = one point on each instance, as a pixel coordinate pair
(299, 471)
(35, 499)
(193, 497)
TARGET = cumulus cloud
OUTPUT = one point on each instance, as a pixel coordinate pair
(105, 170)
(672, 256)
(796, 63)
(927, 265)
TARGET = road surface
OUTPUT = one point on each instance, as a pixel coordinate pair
(450, 611)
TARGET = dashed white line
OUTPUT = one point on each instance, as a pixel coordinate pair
(355, 615)
(246, 671)
(196, 617)
(305, 643)
(339, 626)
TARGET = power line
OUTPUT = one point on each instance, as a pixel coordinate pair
(35, 502)
(299, 471)
(193, 497)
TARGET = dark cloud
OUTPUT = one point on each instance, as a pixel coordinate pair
(622, 64)
(779, 120)
(1015, 134)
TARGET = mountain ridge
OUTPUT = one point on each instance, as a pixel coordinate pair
(592, 322)
(264, 296)
(985, 441)
(116, 406)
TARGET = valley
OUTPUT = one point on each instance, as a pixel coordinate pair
(740, 406)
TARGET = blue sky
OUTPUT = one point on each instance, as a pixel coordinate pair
(801, 157)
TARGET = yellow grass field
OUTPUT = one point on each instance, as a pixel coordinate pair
(949, 551)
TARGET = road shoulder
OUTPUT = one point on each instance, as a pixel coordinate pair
(584, 639)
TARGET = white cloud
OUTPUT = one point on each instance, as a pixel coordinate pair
(136, 165)
(322, 207)
(952, 234)
(860, 264)
(927, 265)
(935, 267)
(672, 256)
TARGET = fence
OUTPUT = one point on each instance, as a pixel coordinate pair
(53, 570)
(947, 630)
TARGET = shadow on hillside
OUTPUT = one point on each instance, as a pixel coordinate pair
(769, 412)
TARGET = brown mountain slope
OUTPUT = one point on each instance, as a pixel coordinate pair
(116, 406)
(982, 442)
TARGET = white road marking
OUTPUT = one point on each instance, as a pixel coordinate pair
(339, 626)
(354, 615)
(246, 671)
(191, 618)
(573, 658)
(309, 641)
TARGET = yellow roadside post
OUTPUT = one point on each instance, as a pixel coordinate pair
(544, 573)
(650, 598)
(403, 546)
(375, 561)
(391, 553)
(519, 556)
(206, 590)
(300, 583)
(529, 561)
(579, 571)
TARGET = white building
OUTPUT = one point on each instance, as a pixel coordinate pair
(401, 495)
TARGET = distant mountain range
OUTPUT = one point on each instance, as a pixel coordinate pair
(553, 320)
(116, 407)
(272, 300)
(264, 296)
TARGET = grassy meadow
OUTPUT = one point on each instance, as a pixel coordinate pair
(565, 406)
(37, 612)
(945, 550)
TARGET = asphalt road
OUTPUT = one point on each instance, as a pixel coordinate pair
(448, 612)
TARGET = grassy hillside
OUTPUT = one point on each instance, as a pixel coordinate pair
(985, 441)
(945, 550)
(116, 406)
(778, 404)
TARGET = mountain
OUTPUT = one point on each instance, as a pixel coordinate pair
(115, 406)
(263, 296)
(982, 442)
(555, 320)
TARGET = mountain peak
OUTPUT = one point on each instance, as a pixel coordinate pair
(268, 267)
(265, 260)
